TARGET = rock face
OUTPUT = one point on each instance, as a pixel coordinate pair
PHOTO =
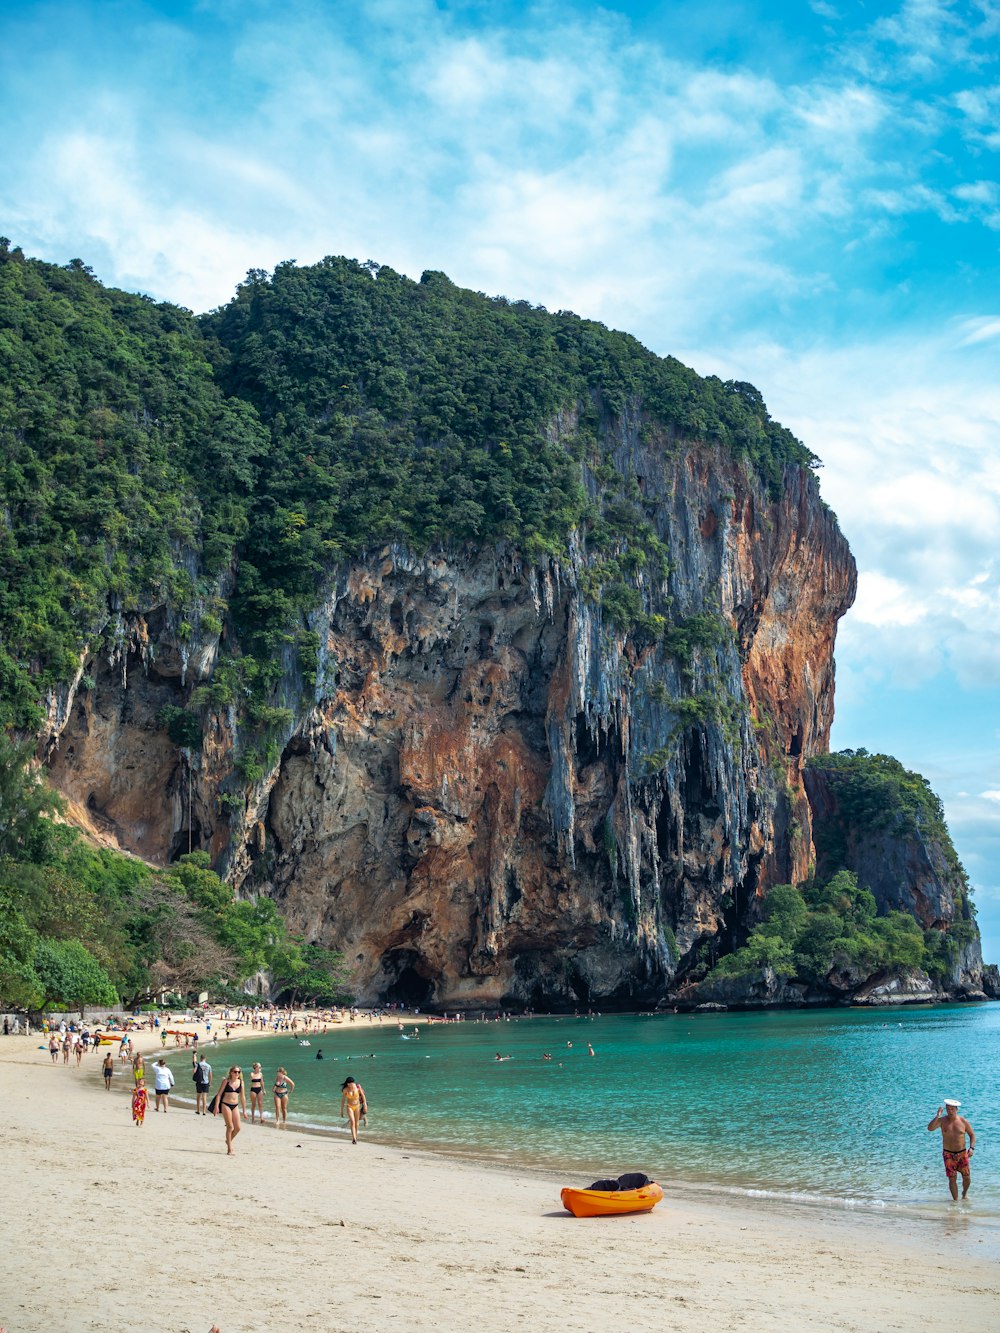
(492, 794)
(906, 869)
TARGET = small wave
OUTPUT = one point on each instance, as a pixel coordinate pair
(800, 1196)
(914, 1209)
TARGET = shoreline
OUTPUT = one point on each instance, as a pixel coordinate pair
(920, 1211)
(297, 1230)
(817, 1195)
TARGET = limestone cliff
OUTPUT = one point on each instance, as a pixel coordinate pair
(908, 863)
(492, 793)
(488, 643)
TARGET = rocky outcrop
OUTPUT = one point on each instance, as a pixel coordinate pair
(492, 794)
(768, 989)
(907, 867)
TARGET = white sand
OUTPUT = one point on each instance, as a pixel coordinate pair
(105, 1226)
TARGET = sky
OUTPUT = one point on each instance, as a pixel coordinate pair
(803, 195)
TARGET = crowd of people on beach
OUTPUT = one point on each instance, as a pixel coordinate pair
(118, 1037)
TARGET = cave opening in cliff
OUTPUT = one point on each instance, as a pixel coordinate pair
(699, 791)
(586, 742)
(408, 982)
(186, 839)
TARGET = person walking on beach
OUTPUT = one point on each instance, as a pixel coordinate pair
(108, 1070)
(202, 1083)
(282, 1084)
(256, 1092)
(230, 1101)
(354, 1101)
(164, 1081)
(54, 1049)
(954, 1129)
(140, 1099)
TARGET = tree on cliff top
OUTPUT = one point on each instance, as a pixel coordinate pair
(876, 793)
(133, 437)
(422, 412)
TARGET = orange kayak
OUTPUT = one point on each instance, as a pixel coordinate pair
(608, 1203)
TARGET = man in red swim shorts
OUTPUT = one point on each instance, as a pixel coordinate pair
(954, 1129)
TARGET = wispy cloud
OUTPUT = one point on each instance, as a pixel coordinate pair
(927, 37)
(907, 432)
(565, 160)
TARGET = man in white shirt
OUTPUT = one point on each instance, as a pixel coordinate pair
(164, 1082)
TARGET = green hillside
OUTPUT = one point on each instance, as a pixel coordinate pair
(324, 410)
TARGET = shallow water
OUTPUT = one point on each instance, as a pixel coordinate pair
(829, 1105)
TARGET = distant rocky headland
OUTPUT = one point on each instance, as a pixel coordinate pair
(491, 649)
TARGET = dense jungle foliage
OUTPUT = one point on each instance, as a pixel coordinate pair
(874, 792)
(82, 926)
(148, 458)
(125, 472)
(830, 926)
(424, 413)
(830, 934)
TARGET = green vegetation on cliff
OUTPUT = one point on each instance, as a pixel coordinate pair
(828, 931)
(830, 934)
(821, 929)
(125, 472)
(422, 412)
(83, 926)
(875, 793)
(146, 454)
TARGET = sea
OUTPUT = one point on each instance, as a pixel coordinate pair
(825, 1106)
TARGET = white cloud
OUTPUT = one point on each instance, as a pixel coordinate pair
(980, 330)
(925, 37)
(564, 161)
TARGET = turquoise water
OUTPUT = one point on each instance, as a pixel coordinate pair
(831, 1104)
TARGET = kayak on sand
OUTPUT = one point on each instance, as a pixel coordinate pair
(631, 1193)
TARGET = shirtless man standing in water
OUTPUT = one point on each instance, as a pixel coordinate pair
(953, 1129)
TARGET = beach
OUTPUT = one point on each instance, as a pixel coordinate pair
(106, 1225)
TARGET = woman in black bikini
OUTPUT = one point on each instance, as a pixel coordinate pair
(231, 1100)
(282, 1083)
(256, 1092)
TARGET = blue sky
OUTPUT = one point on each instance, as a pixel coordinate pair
(804, 195)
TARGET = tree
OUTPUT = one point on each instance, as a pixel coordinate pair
(70, 976)
(785, 912)
(176, 942)
(308, 973)
(20, 987)
(25, 801)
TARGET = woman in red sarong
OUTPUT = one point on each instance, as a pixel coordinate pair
(139, 1099)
